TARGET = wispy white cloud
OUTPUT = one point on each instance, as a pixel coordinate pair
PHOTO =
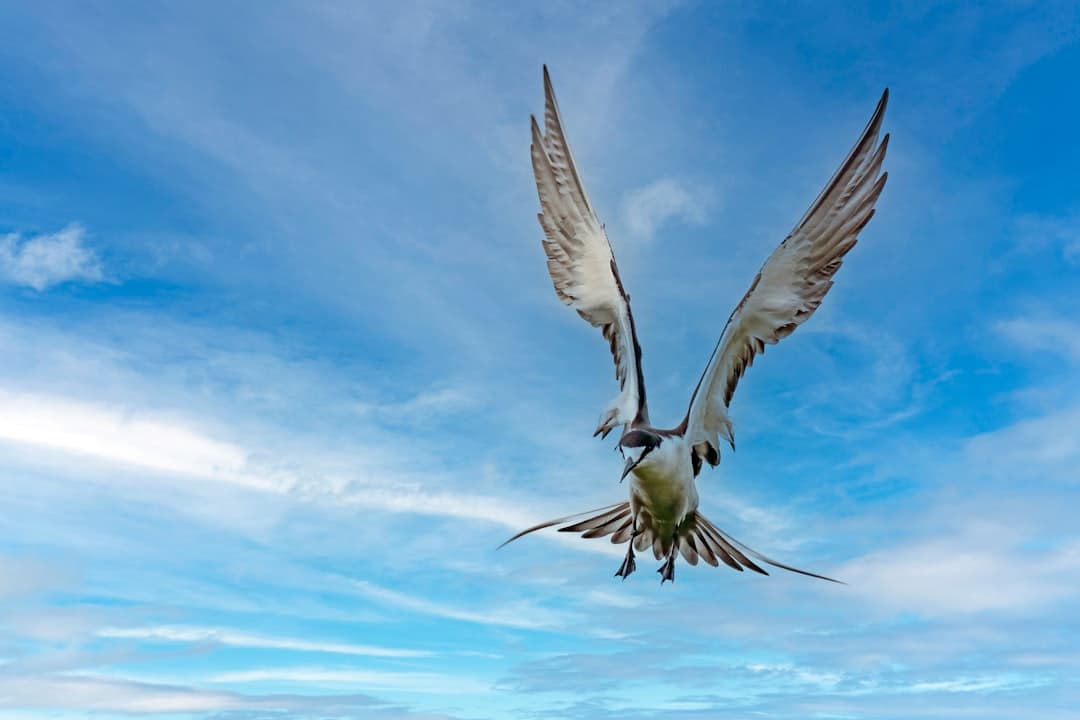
(422, 406)
(42, 261)
(95, 694)
(874, 383)
(145, 439)
(120, 435)
(102, 693)
(800, 675)
(225, 636)
(1046, 446)
(354, 678)
(974, 684)
(605, 598)
(523, 616)
(1051, 334)
(1061, 234)
(27, 575)
(646, 209)
(983, 570)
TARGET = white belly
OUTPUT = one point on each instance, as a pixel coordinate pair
(663, 485)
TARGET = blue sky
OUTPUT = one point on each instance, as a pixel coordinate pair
(281, 363)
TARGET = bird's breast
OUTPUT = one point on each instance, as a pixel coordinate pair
(664, 485)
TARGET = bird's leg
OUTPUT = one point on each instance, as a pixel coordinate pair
(628, 565)
(667, 570)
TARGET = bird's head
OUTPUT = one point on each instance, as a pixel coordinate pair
(636, 446)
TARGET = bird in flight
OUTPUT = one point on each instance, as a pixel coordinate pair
(661, 512)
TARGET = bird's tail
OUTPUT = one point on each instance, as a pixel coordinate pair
(700, 538)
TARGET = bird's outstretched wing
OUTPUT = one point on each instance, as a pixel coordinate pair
(581, 263)
(790, 285)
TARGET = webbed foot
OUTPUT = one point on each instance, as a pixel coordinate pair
(628, 565)
(667, 570)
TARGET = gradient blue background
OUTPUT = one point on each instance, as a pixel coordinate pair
(280, 363)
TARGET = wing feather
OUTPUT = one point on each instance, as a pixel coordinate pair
(734, 553)
(581, 263)
(703, 549)
(600, 513)
(687, 549)
(790, 286)
(612, 520)
(624, 532)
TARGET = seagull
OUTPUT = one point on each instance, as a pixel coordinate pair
(662, 465)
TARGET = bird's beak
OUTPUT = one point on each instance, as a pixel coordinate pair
(631, 463)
